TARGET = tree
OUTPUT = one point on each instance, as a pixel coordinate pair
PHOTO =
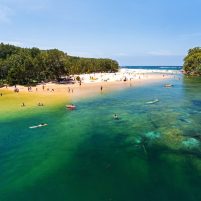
(21, 69)
(6, 50)
(192, 62)
(25, 65)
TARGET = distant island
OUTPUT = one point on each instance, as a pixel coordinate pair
(31, 65)
(192, 62)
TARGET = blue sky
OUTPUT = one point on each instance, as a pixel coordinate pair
(134, 32)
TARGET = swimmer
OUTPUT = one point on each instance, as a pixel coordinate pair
(115, 117)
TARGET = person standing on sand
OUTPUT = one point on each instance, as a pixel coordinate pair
(101, 88)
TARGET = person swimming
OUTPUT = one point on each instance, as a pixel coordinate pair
(115, 117)
(39, 125)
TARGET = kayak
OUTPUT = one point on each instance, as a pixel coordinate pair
(168, 85)
(71, 107)
(38, 126)
(152, 102)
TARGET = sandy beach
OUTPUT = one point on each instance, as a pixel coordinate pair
(91, 85)
(52, 94)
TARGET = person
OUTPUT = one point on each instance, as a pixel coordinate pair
(40, 104)
(115, 117)
(1, 94)
(101, 88)
(43, 124)
(16, 90)
(23, 104)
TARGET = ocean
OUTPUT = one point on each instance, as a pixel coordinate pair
(153, 67)
(151, 153)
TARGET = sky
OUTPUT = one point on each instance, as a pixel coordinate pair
(133, 32)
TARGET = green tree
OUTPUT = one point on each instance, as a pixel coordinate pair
(21, 68)
(192, 62)
(25, 65)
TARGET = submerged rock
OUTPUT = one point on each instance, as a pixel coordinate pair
(185, 120)
(152, 135)
(144, 138)
(191, 143)
(172, 138)
(138, 140)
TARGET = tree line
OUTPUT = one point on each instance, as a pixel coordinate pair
(192, 62)
(32, 65)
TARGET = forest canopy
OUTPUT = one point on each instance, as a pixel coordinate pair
(192, 62)
(32, 65)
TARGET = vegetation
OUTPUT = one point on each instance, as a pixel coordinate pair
(32, 65)
(192, 62)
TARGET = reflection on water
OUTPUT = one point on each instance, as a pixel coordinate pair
(152, 152)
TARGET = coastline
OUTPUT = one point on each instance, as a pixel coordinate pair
(51, 94)
(91, 84)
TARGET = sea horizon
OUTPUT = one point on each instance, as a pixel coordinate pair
(153, 67)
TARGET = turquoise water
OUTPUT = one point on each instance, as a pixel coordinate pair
(152, 152)
(154, 67)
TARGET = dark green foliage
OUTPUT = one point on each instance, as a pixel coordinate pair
(192, 62)
(27, 66)
(7, 50)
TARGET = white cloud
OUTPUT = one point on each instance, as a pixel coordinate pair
(121, 54)
(26, 4)
(163, 53)
(16, 43)
(9, 8)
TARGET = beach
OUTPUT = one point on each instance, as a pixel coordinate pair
(30, 100)
(92, 84)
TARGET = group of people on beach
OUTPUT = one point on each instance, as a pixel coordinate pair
(70, 90)
(39, 104)
(29, 89)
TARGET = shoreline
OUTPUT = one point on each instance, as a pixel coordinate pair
(90, 87)
(51, 94)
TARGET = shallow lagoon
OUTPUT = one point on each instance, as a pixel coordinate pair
(152, 152)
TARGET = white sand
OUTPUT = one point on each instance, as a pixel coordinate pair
(91, 83)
